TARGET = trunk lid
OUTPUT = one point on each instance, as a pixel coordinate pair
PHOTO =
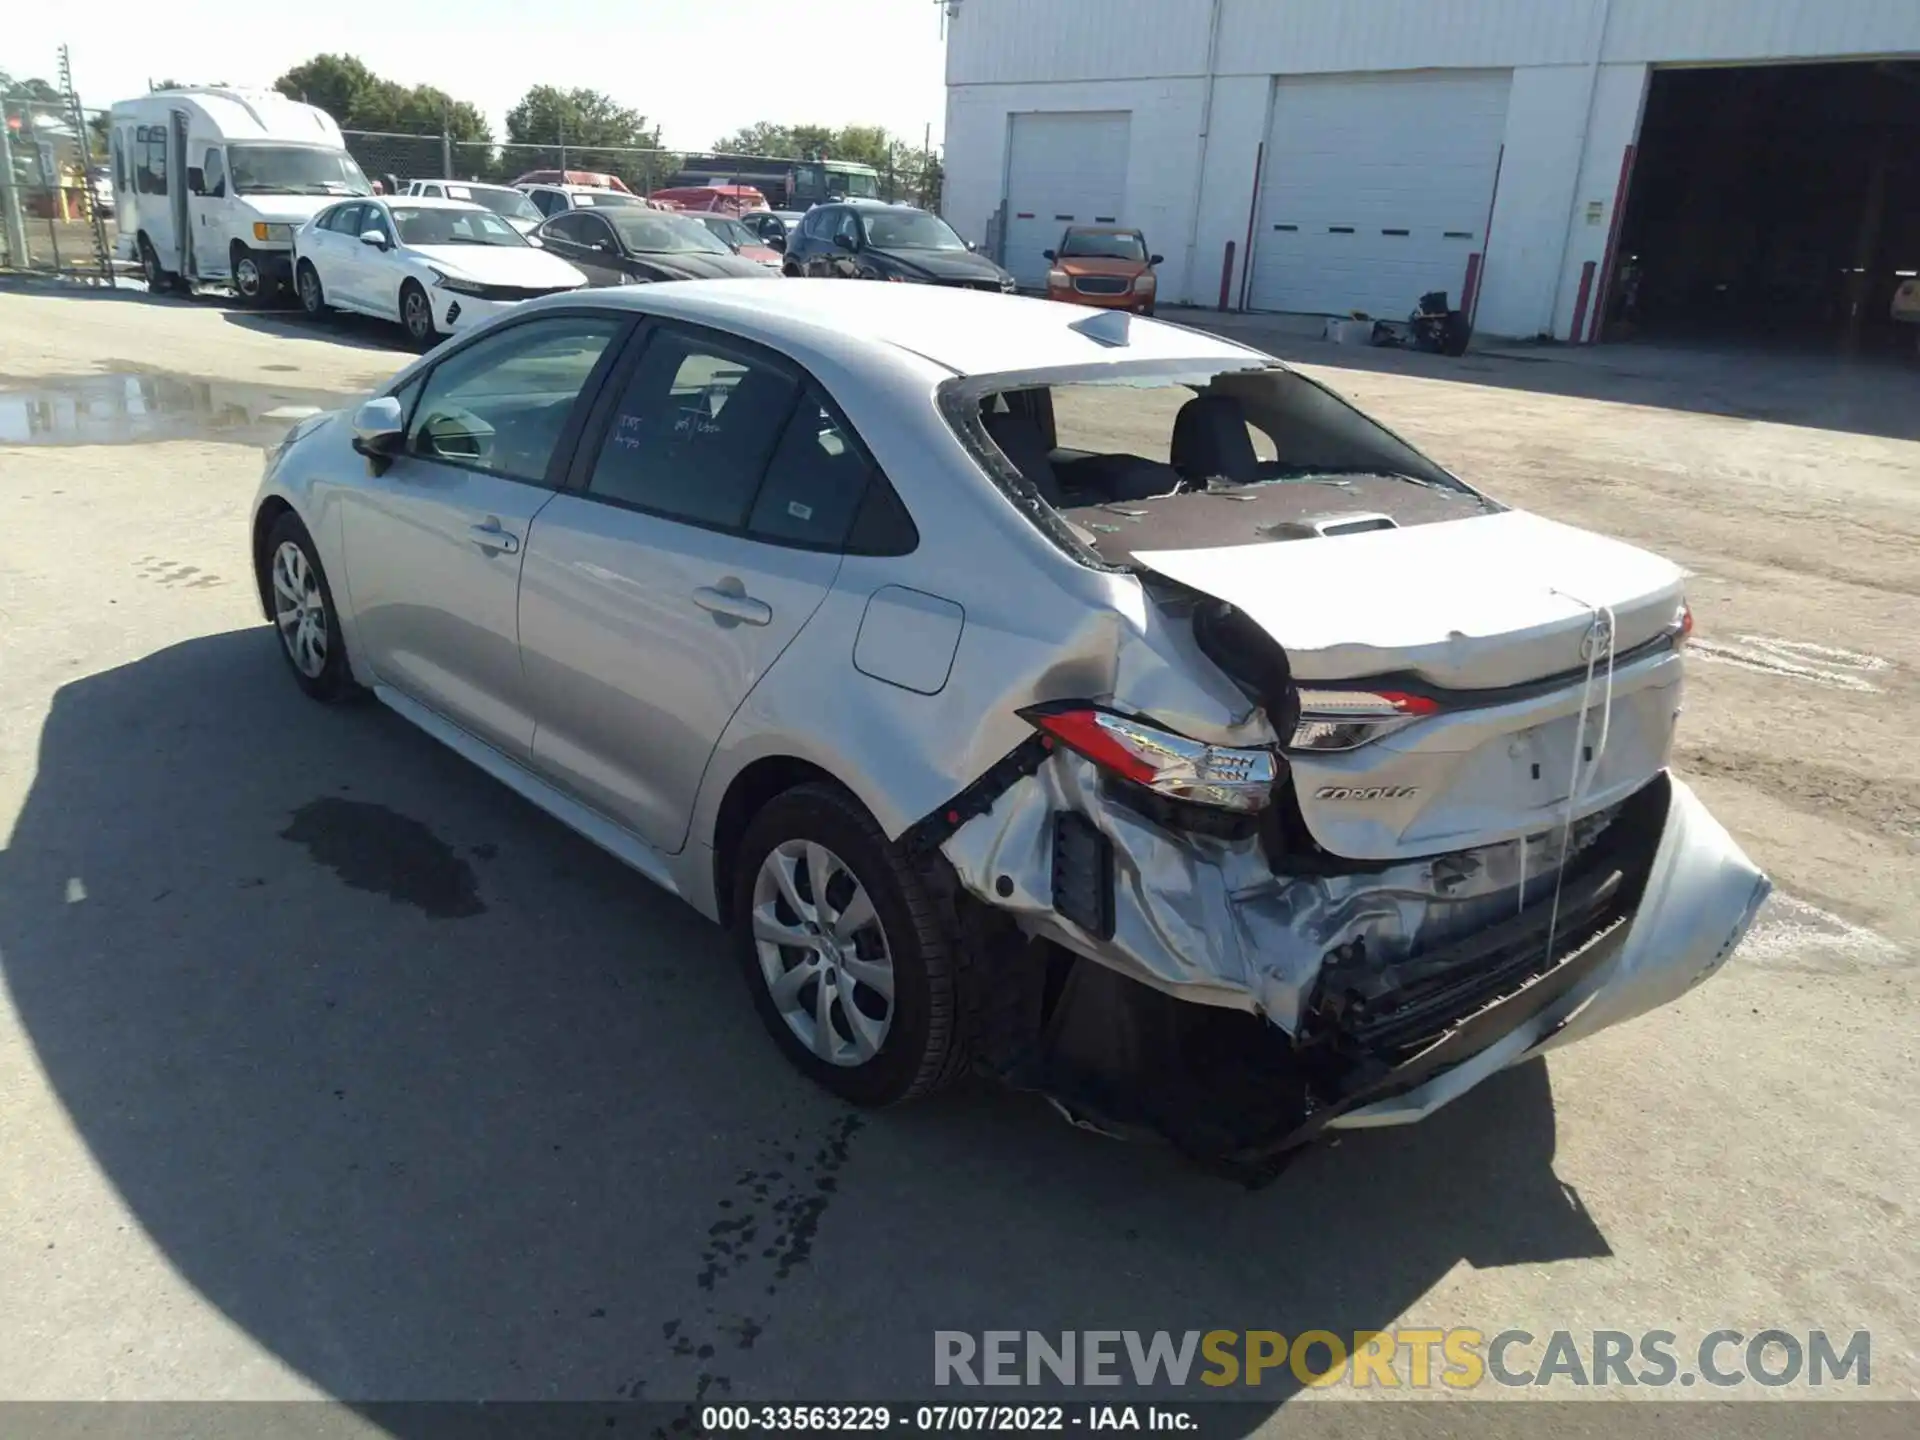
(1470, 604)
(1484, 610)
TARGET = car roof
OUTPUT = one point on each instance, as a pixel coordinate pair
(969, 332)
(427, 202)
(469, 184)
(1103, 229)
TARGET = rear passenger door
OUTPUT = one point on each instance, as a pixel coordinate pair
(704, 523)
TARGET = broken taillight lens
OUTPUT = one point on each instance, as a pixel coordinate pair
(1160, 760)
(1348, 719)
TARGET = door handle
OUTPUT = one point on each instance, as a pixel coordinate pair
(732, 605)
(494, 540)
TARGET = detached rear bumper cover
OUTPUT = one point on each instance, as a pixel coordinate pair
(1206, 921)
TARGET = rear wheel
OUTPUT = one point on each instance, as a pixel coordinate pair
(416, 314)
(159, 280)
(850, 953)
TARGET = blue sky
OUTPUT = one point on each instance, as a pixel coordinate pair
(702, 68)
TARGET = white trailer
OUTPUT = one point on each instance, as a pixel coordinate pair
(210, 184)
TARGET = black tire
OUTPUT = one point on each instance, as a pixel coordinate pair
(249, 281)
(159, 280)
(416, 316)
(927, 1044)
(334, 681)
(307, 279)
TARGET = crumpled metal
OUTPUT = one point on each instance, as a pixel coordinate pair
(1207, 920)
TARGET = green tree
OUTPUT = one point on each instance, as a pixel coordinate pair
(591, 127)
(358, 99)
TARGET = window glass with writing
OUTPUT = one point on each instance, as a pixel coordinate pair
(692, 434)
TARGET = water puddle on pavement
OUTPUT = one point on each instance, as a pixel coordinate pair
(135, 408)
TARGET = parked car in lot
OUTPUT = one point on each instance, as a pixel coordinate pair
(888, 242)
(738, 238)
(1093, 700)
(628, 247)
(552, 200)
(436, 266)
(723, 199)
(772, 226)
(1105, 266)
(509, 204)
(586, 179)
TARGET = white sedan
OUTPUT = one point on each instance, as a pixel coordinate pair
(436, 266)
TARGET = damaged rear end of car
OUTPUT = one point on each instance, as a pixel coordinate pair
(1365, 795)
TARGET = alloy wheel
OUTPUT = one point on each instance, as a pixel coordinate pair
(418, 317)
(309, 290)
(823, 952)
(300, 610)
(246, 278)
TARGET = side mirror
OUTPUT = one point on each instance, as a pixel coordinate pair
(777, 243)
(1044, 254)
(846, 242)
(1158, 260)
(373, 238)
(379, 426)
(196, 180)
(536, 242)
(602, 247)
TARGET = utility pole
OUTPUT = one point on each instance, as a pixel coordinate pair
(446, 142)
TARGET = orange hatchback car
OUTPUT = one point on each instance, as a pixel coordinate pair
(1103, 265)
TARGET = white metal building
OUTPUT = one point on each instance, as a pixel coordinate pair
(1357, 153)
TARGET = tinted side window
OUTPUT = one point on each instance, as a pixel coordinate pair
(815, 482)
(596, 231)
(549, 202)
(213, 173)
(346, 219)
(568, 227)
(372, 217)
(691, 436)
(500, 404)
(150, 166)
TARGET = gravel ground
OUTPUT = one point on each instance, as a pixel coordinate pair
(505, 1127)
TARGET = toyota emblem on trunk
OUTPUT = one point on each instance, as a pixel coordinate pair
(1598, 639)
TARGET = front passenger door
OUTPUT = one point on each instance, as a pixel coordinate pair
(434, 544)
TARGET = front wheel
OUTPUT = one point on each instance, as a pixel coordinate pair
(303, 612)
(850, 953)
(306, 281)
(249, 284)
(416, 315)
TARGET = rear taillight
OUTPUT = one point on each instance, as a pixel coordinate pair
(1683, 627)
(1161, 761)
(1347, 719)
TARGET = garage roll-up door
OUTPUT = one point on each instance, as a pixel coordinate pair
(1062, 168)
(1377, 188)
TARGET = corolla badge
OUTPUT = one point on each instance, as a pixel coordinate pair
(1366, 792)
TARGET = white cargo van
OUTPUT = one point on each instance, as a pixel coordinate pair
(210, 184)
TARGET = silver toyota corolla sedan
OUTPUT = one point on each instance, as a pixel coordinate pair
(1084, 698)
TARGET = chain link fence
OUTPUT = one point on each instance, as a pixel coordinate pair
(53, 181)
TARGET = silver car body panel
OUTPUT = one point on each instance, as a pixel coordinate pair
(903, 677)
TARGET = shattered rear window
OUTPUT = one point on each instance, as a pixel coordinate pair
(1111, 460)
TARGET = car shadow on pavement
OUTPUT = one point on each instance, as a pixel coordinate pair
(436, 1101)
(356, 331)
